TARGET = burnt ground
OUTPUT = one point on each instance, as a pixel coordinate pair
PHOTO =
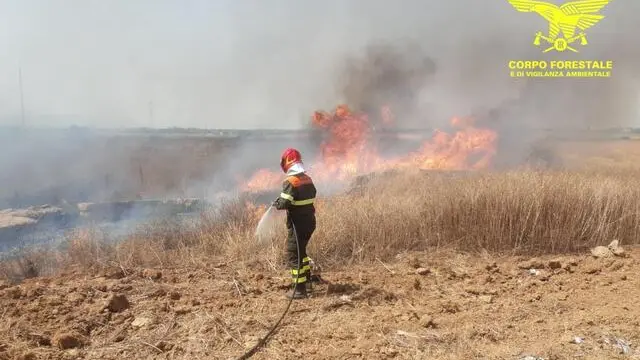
(440, 305)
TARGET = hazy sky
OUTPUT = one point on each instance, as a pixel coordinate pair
(251, 63)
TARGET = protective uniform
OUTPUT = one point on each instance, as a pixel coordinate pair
(297, 197)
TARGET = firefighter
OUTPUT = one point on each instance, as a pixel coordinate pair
(297, 197)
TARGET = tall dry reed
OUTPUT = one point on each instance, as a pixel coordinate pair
(524, 211)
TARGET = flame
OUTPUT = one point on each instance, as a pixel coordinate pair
(263, 179)
(348, 152)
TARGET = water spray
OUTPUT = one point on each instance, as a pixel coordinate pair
(264, 339)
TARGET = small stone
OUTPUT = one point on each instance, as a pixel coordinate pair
(616, 249)
(423, 271)
(67, 341)
(534, 263)
(117, 303)
(619, 251)
(487, 299)
(152, 274)
(572, 262)
(592, 269)
(139, 322)
(534, 272)
(601, 252)
(555, 264)
(28, 356)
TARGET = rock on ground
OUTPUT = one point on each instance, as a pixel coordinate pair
(117, 303)
(66, 340)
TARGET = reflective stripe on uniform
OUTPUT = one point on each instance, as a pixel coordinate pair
(301, 279)
(305, 264)
(299, 181)
(294, 272)
(302, 202)
(286, 196)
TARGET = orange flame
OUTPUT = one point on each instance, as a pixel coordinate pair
(347, 151)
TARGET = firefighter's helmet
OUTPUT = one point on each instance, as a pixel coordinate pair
(289, 157)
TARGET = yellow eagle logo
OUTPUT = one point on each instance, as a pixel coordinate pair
(563, 20)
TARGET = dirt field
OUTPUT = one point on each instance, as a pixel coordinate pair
(436, 305)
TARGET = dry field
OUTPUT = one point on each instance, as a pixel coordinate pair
(482, 265)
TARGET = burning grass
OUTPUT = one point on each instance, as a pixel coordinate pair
(524, 211)
(347, 149)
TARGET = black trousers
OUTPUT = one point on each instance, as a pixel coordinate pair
(304, 228)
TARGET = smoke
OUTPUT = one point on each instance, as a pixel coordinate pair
(427, 82)
(247, 65)
(387, 75)
(228, 64)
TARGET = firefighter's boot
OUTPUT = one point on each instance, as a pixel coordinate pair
(315, 276)
(300, 291)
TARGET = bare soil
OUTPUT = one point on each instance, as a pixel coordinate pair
(438, 305)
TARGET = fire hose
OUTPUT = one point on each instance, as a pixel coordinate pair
(264, 339)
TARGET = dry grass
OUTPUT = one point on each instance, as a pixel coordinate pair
(523, 211)
(519, 211)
